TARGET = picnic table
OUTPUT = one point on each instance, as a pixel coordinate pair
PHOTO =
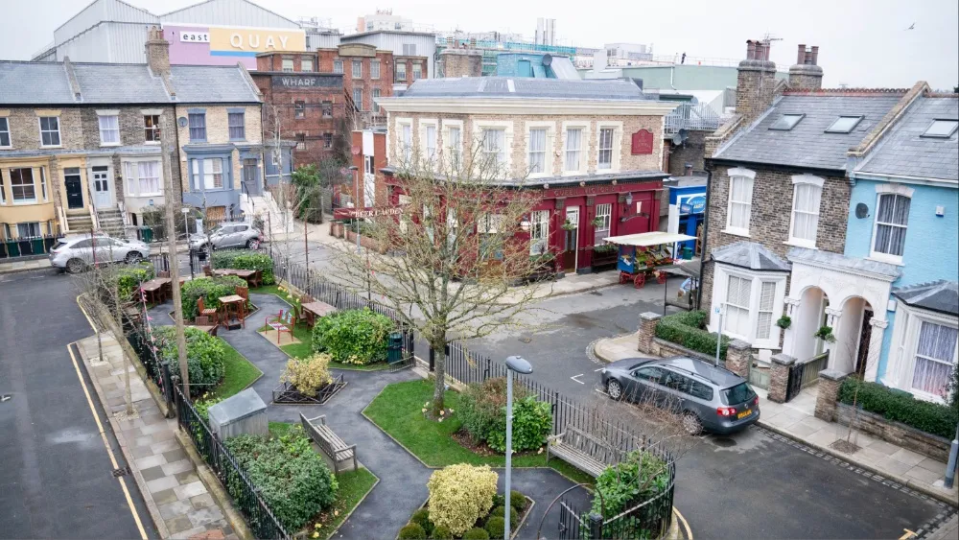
(316, 309)
(237, 303)
(246, 275)
(155, 290)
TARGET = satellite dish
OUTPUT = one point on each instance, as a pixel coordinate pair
(547, 60)
(182, 121)
(862, 210)
(680, 137)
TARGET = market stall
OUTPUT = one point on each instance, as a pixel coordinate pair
(645, 255)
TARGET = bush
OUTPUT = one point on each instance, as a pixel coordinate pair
(442, 532)
(500, 512)
(244, 259)
(639, 478)
(422, 518)
(901, 407)
(495, 526)
(461, 494)
(293, 479)
(127, 279)
(412, 531)
(356, 336)
(308, 375)
(205, 356)
(476, 534)
(210, 289)
(517, 500)
(689, 330)
(483, 411)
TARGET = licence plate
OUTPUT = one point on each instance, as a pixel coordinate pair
(744, 414)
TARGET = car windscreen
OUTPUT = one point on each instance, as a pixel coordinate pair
(58, 245)
(740, 393)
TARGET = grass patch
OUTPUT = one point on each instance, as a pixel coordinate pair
(278, 429)
(354, 485)
(398, 411)
(239, 373)
(268, 289)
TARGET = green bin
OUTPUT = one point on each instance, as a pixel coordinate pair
(13, 248)
(37, 244)
(394, 352)
(147, 235)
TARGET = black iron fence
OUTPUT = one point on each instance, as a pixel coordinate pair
(36, 246)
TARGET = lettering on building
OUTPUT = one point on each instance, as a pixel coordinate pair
(642, 142)
(295, 81)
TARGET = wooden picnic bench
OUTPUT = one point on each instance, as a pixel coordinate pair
(330, 443)
(584, 451)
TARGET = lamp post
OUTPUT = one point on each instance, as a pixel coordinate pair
(521, 366)
(719, 330)
(356, 198)
(950, 467)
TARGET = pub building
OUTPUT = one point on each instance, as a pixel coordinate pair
(590, 151)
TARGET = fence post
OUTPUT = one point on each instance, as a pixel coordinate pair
(486, 372)
(595, 525)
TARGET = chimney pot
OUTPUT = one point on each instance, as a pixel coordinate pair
(815, 55)
(750, 49)
(801, 56)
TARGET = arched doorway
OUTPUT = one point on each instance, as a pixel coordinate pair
(853, 332)
(810, 316)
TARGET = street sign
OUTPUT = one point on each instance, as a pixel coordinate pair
(368, 212)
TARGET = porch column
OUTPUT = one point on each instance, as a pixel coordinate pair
(833, 316)
(791, 305)
(875, 348)
(738, 358)
(792, 309)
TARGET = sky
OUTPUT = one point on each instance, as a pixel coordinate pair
(862, 43)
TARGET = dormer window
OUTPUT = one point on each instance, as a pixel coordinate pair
(786, 122)
(844, 124)
(942, 129)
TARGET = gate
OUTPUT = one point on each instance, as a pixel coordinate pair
(795, 380)
(574, 521)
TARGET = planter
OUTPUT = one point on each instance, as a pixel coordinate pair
(366, 242)
(286, 394)
(899, 434)
(520, 519)
(604, 258)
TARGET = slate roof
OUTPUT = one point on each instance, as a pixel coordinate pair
(34, 83)
(524, 87)
(941, 296)
(839, 261)
(807, 144)
(904, 152)
(211, 84)
(118, 83)
(750, 255)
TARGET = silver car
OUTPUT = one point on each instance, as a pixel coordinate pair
(77, 253)
(227, 235)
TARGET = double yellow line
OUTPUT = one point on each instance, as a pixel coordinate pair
(684, 523)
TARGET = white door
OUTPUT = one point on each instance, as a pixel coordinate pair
(101, 187)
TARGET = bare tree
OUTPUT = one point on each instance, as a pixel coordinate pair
(455, 253)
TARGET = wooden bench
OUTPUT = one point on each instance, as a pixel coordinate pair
(330, 443)
(584, 451)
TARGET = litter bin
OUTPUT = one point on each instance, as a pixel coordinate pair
(37, 244)
(146, 235)
(394, 352)
(13, 248)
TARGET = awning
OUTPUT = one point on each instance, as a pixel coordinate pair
(649, 239)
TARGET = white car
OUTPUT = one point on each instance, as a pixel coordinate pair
(77, 253)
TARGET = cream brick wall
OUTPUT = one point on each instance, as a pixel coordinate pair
(25, 128)
(217, 132)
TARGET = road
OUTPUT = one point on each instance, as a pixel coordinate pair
(56, 480)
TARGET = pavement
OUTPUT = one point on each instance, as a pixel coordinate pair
(14, 265)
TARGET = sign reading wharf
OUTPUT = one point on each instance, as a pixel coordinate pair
(309, 81)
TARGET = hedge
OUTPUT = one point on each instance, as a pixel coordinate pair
(211, 289)
(900, 406)
(355, 336)
(245, 259)
(689, 330)
(206, 356)
(128, 278)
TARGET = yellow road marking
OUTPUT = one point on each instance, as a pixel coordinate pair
(907, 534)
(106, 444)
(689, 532)
(89, 320)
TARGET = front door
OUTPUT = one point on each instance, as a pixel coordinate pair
(101, 187)
(251, 177)
(865, 333)
(571, 239)
(74, 190)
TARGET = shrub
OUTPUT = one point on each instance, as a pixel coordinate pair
(476, 534)
(210, 289)
(688, 329)
(412, 531)
(422, 518)
(356, 336)
(517, 500)
(442, 532)
(203, 405)
(639, 478)
(532, 421)
(461, 494)
(500, 512)
(483, 411)
(293, 479)
(127, 279)
(308, 375)
(244, 259)
(495, 526)
(205, 356)
(901, 407)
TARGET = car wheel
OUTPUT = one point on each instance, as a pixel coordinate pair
(253, 243)
(692, 424)
(133, 257)
(75, 266)
(614, 389)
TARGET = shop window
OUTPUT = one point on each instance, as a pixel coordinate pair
(237, 126)
(151, 128)
(805, 212)
(21, 186)
(603, 222)
(539, 232)
(574, 141)
(740, 201)
(892, 219)
(5, 141)
(935, 359)
(197, 126)
(605, 160)
(537, 151)
(49, 131)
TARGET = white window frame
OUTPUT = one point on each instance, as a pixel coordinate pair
(357, 69)
(43, 184)
(617, 149)
(404, 148)
(35, 224)
(881, 190)
(452, 149)
(905, 342)
(287, 68)
(337, 65)
(604, 211)
(506, 153)
(417, 71)
(734, 173)
(803, 180)
(303, 59)
(42, 131)
(398, 71)
(376, 93)
(424, 126)
(721, 283)
(206, 180)
(155, 129)
(548, 150)
(7, 131)
(3, 189)
(539, 232)
(33, 178)
(112, 117)
(358, 102)
(159, 180)
(375, 69)
(584, 140)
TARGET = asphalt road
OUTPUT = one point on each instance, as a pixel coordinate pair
(55, 477)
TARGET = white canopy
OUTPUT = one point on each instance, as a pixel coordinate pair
(649, 239)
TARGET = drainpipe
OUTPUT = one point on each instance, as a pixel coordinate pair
(703, 251)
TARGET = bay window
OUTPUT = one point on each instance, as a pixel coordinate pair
(807, 194)
(752, 302)
(208, 173)
(21, 186)
(935, 359)
(740, 201)
(143, 178)
(738, 291)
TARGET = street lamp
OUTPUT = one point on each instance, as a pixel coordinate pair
(186, 226)
(356, 198)
(521, 366)
(950, 467)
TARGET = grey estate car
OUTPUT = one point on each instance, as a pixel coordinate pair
(711, 398)
(228, 235)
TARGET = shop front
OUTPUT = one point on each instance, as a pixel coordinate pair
(687, 209)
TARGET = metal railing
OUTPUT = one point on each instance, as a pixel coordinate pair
(692, 117)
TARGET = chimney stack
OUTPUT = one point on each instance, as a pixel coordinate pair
(755, 82)
(462, 63)
(158, 52)
(806, 74)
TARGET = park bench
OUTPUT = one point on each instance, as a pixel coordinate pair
(330, 443)
(584, 451)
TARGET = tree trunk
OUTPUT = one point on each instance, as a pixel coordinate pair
(172, 196)
(439, 370)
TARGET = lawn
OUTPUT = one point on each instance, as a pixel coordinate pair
(397, 410)
(239, 373)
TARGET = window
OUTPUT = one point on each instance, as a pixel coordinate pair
(786, 122)
(327, 109)
(374, 69)
(940, 129)
(109, 129)
(376, 94)
(651, 374)
(43, 184)
(453, 143)
(740, 201)
(337, 65)
(148, 174)
(197, 126)
(417, 71)
(4, 132)
(537, 151)
(400, 71)
(28, 230)
(493, 145)
(700, 390)
(490, 224)
(539, 232)
(409, 49)
(737, 306)
(741, 393)
(368, 165)
(397, 26)
(237, 127)
(407, 142)
(767, 295)
(935, 358)
(675, 381)
(430, 142)
(287, 63)
(327, 140)
(3, 192)
(574, 142)
(49, 131)
(844, 124)
(151, 128)
(605, 149)
(358, 99)
(212, 176)
(357, 69)
(300, 142)
(306, 63)
(603, 219)
(299, 109)
(21, 186)
(891, 221)
(805, 212)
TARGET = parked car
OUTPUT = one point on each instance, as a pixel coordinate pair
(227, 235)
(710, 398)
(76, 253)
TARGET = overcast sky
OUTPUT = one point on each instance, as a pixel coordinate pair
(862, 42)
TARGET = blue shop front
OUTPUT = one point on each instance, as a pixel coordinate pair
(687, 210)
